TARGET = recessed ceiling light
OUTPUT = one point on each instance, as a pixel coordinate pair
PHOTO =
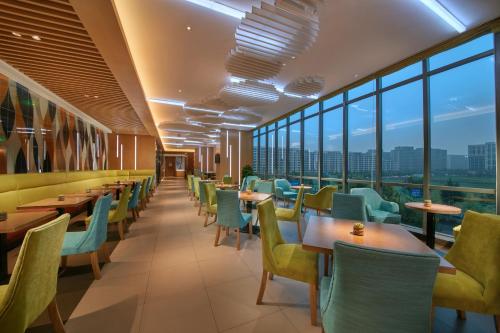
(36, 37)
(180, 90)
(17, 34)
(96, 96)
(356, 76)
(86, 96)
(188, 28)
(293, 57)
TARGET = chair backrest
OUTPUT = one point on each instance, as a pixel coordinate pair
(228, 208)
(121, 210)
(196, 183)
(227, 179)
(372, 198)
(349, 206)
(250, 182)
(379, 291)
(148, 184)
(210, 193)
(202, 185)
(142, 193)
(264, 186)
(297, 207)
(33, 282)
(284, 184)
(477, 253)
(243, 184)
(324, 197)
(269, 233)
(134, 198)
(190, 181)
(97, 232)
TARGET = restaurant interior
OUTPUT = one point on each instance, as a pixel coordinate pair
(252, 166)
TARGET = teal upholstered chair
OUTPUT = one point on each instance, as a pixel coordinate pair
(283, 190)
(378, 291)
(133, 202)
(378, 209)
(247, 182)
(349, 206)
(230, 216)
(264, 186)
(92, 239)
(148, 188)
(33, 284)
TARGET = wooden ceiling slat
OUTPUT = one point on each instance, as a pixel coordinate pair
(47, 34)
(4, 7)
(32, 22)
(31, 29)
(52, 5)
(89, 84)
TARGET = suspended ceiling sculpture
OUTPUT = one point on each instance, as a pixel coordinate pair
(249, 93)
(305, 86)
(209, 106)
(249, 66)
(229, 117)
(181, 127)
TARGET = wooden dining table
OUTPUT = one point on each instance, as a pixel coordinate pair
(249, 198)
(323, 231)
(60, 206)
(15, 222)
(227, 186)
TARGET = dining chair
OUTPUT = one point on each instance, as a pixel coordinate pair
(33, 284)
(349, 206)
(322, 200)
(378, 209)
(142, 194)
(378, 291)
(211, 197)
(92, 239)
(133, 201)
(190, 186)
(283, 190)
(203, 198)
(476, 256)
(148, 188)
(196, 185)
(292, 214)
(227, 179)
(230, 216)
(119, 215)
(264, 186)
(285, 259)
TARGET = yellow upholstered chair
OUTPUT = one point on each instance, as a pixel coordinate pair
(322, 200)
(283, 259)
(32, 286)
(476, 256)
(293, 214)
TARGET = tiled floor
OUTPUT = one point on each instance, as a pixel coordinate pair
(168, 277)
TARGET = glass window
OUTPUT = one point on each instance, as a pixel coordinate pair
(475, 46)
(256, 132)
(361, 140)
(402, 195)
(402, 134)
(402, 74)
(270, 153)
(271, 127)
(338, 185)
(255, 159)
(361, 90)
(281, 153)
(262, 130)
(294, 117)
(294, 150)
(311, 146)
(313, 182)
(282, 122)
(311, 110)
(334, 101)
(462, 107)
(262, 155)
(332, 143)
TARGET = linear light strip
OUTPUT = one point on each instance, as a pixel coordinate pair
(117, 145)
(230, 160)
(444, 14)
(135, 152)
(227, 143)
(207, 159)
(121, 156)
(77, 150)
(239, 157)
(218, 7)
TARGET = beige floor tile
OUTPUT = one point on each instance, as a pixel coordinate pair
(300, 317)
(174, 280)
(224, 269)
(273, 323)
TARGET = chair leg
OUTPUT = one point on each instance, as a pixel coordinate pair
(199, 209)
(105, 251)
(299, 231)
(55, 317)
(206, 220)
(227, 231)
(497, 323)
(94, 261)
(271, 276)
(461, 315)
(120, 230)
(137, 212)
(215, 219)
(250, 231)
(64, 261)
(238, 239)
(313, 299)
(217, 235)
(134, 216)
(262, 288)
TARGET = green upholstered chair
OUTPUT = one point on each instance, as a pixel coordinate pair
(133, 201)
(119, 215)
(283, 190)
(349, 206)
(378, 291)
(196, 186)
(227, 179)
(230, 216)
(32, 286)
(476, 256)
(91, 240)
(190, 185)
(142, 193)
(378, 209)
(247, 183)
(287, 260)
(264, 186)
(322, 200)
(294, 214)
(203, 199)
(211, 196)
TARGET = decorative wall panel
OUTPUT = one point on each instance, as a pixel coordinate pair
(36, 135)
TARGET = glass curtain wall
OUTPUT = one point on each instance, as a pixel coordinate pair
(426, 131)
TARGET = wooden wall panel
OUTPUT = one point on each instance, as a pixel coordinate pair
(146, 152)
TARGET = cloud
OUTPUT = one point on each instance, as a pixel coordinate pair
(469, 111)
(363, 131)
(403, 124)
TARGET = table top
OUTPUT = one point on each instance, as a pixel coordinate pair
(227, 186)
(297, 187)
(68, 202)
(253, 196)
(93, 193)
(434, 208)
(23, 220)
(323, 231)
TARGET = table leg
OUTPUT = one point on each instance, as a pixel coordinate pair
(249, 207)
(90, 207)
(118, 194)
(430, 236)
(4, 273)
